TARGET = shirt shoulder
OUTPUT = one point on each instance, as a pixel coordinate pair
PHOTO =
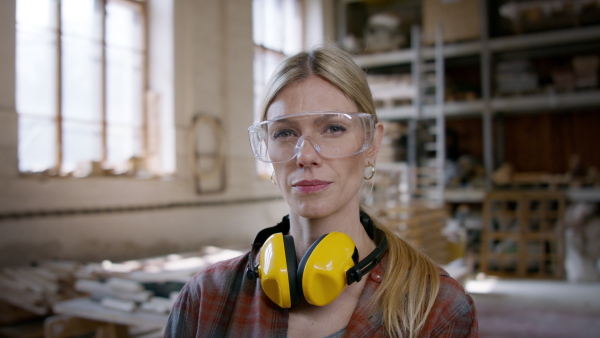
(221, 272)
(453, 313)
(206, 299)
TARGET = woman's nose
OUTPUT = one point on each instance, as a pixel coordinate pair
(307, 152)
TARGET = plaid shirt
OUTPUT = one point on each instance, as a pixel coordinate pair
(220, 301)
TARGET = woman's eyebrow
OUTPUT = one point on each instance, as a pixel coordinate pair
(330, 116)
(283, 122)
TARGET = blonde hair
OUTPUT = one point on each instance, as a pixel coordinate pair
(331, 64)
(408, 291)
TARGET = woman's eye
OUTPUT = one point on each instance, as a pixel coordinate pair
(335, 129)
(283, 134)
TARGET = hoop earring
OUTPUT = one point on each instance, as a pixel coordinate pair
(272, 178)
(369, 164)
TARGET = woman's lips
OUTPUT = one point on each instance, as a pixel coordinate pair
(310, 186)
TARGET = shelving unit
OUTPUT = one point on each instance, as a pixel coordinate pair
(487, 105)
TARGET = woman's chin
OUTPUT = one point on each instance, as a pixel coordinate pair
(312, 209)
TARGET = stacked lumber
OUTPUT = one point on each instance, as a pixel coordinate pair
(125, 295)
(149, 285)
(146, 285)
(36, 289)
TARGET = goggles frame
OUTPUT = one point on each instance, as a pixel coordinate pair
(258, 136)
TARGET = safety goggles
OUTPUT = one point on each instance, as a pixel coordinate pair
(332, 134)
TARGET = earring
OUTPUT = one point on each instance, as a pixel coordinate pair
(273, 178)
(369, 164)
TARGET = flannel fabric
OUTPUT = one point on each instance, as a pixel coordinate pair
(221, 302)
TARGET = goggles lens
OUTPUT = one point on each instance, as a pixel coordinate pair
(332, 134)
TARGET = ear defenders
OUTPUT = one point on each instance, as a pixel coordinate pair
(323, 272)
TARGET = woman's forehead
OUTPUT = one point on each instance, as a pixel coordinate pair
(311, 94)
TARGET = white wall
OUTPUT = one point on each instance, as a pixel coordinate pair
(208, 70)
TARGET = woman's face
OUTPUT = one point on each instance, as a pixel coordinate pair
(312, 185)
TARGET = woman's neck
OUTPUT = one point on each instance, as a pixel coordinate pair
(306, 231)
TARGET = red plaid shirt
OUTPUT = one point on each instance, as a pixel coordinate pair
(220, 301)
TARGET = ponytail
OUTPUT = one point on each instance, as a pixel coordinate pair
(408, 291)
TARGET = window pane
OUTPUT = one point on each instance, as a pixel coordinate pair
(37, 143)
(277, 25)
(36, 72)
(123, 143)
(265, 62)
(37, 13)
(124, 87)
(81, 142)
(81, 80)
(81, 18)
(123, 26)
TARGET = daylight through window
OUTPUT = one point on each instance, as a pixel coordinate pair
(80, 85)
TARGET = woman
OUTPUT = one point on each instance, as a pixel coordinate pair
(321, 134)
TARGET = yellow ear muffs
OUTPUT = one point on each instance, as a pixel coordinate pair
(326, 268)
(322, 270)
(277, 270)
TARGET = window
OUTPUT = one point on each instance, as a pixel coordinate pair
(277, 33)
(80, 84)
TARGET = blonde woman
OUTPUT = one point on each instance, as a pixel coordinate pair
(328, 269)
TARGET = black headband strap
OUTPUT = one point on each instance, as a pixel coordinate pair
(261, 237)
(355, 273)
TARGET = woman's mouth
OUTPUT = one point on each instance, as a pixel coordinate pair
(310, 186)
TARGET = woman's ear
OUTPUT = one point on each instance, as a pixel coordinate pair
(377, 139)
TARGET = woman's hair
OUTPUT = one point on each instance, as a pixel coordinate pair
(408, 291)
(331, 64)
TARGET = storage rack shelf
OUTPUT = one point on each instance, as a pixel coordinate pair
(504, 44)
(470, 195)
(488, 104)
(520, 104)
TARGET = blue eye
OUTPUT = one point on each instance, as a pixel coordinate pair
(335, 129)
(283, 134)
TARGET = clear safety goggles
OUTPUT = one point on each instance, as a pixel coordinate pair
(332, 134)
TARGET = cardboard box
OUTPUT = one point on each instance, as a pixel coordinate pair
(460, 20)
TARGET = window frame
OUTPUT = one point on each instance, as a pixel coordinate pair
(141, 7)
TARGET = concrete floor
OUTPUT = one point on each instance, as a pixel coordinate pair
(536, 308)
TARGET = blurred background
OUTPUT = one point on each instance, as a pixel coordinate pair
(126, 166)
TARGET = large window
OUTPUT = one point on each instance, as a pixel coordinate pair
(80, 84)
(277, 33)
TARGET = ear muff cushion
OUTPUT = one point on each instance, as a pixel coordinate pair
(322, 270)
(274, 268)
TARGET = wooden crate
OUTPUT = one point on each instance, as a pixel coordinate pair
(522, 234)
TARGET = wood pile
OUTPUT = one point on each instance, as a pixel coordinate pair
(148, 285)
(36, 289)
